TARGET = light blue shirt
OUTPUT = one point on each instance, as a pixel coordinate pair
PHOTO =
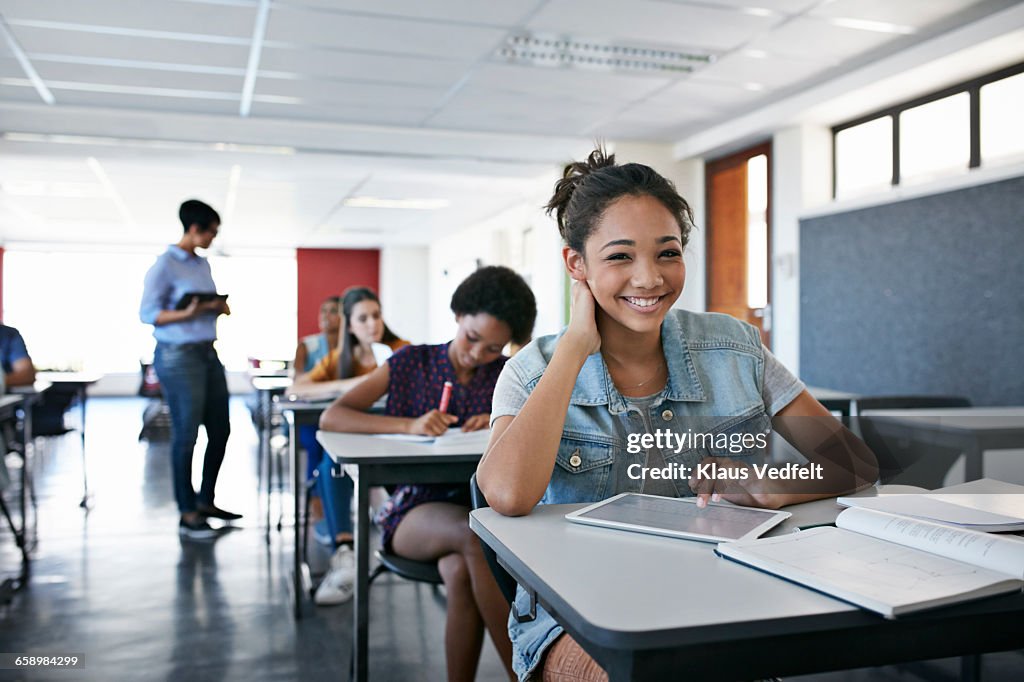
(176, 273)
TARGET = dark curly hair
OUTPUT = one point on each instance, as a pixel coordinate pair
(502, 294)
(588, 187)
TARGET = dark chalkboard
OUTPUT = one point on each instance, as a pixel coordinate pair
(921, 296)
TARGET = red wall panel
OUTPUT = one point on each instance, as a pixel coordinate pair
(328, 272)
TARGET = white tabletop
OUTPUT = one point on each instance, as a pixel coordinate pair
(624, 582)
(69, 377)
(365, 448)
(271, 383)
(955, 418)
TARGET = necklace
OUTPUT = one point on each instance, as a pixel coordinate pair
(657, 373)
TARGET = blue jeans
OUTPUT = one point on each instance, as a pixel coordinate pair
(336, 495)
(196, 390)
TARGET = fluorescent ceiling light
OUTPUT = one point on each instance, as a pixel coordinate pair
(26, 65)
(259, 32)
(566, 52)
(876, 26)
(146, 144)
(759, 12)
(112, 192)
(415, 204)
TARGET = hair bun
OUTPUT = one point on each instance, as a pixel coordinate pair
(573, 175)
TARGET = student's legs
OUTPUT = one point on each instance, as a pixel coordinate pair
(439, 530)
(336, 494)
(218, 425)
(566, 661)
(314, 451)
(182, 380)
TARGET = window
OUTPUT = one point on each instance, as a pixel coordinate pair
(864, 157)
(944, 133)
(87, 318)
(757, 232)
(1002, 135)
(935, 138)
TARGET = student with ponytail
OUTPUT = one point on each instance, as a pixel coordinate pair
(629, 363)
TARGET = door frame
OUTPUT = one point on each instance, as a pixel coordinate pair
(728, 162)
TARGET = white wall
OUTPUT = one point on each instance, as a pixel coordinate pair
(404, 294)
(801, 179)
(501, 240)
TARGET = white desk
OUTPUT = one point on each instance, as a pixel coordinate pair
(373, 461)
(299, 413)
(266, 388)
(77, 383)
(648, 608)
(972, 429)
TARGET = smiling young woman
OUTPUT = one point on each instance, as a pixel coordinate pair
(566, 406)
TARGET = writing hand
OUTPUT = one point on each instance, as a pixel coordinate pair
(433, 423)
(477, 422)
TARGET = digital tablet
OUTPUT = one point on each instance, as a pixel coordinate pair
(679, 517)
(203, 297)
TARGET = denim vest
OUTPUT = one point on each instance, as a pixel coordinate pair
(715, 377)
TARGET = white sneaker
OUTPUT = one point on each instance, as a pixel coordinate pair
(338, 585)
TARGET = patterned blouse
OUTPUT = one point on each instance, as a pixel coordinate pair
(417, 380)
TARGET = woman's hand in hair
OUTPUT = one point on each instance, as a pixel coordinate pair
(433, 423)
(583, 322)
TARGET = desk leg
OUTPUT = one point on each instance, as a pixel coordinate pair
(974, 463)
(970, 668)
(266, 432)
(299, 587)
(84, 504)
(362, 607)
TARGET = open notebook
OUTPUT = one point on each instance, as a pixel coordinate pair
(455, 437)
(889, 564)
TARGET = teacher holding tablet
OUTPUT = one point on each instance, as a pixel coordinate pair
(177, 301)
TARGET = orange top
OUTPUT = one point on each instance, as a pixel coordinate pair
(327, 368)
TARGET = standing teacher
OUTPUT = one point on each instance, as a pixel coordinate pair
(191, 375)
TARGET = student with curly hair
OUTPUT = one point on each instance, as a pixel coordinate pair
(493, 306)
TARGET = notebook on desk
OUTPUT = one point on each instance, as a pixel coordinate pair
(892, 565)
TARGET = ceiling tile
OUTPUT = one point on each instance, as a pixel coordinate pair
(381, 36)
(770, 71)
(579, 84)
(360, 66)
(143, 78)
(351, 93)
(173, 15)
(916, 13)
(650, 23)
(801, 38)
(43, 41)
(339, 113)
(504, 13)
(780, 6)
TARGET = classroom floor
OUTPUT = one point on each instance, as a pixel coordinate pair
(117, 585)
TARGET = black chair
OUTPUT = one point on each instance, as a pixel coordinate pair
(903, 460)
(506, 582)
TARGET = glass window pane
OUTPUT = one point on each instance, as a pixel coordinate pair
(864, 158)
(935, 139)
(1002, 135)
(59, 322)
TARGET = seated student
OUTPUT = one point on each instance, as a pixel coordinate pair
(15, 364)
(430, 522)
(315, 347)
(362, 325)
(628, 363)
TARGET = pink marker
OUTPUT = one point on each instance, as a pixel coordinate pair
(446, 396)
